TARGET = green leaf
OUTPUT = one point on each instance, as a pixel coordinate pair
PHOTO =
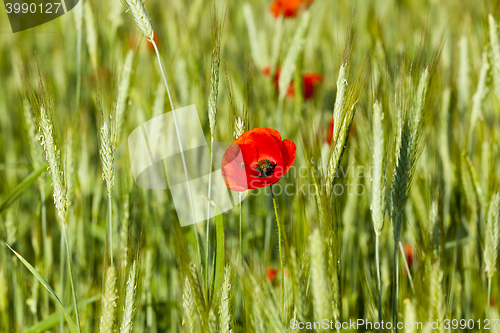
(54, 319)
(71, 324)
(23, 186)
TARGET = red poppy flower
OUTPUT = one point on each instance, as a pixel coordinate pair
(329, 135)
(310, 80)
(271, 273)
(157, 42)
(287, 8)
(266, 70)
(136, 39)
(258, 158)
(410, 256)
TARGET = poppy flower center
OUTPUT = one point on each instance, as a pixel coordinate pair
(265, 168)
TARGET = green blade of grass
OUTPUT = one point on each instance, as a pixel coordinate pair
(219, 261)
(54, 319)
(23, 186)
(45, 284)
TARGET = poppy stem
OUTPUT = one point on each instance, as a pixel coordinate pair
(281, 257)
(241, 208)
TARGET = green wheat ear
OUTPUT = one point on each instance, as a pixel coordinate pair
(109, 298)
(492, 236)
(129, 307)
(349, 90)
(139, 13)
(122, 96)
(320, 285)
(188, 305)
(225, 313)
(53, 158)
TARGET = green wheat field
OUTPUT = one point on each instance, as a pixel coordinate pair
(388, 220)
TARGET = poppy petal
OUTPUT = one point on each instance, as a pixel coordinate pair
(290, 151)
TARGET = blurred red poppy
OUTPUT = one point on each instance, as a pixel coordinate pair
(258, 158)
(329, 135)
(287, 8)
(410, 256)
(157, 42)
(136, 39)
(310, 80)
(271, 273)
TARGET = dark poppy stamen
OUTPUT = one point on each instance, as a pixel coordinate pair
(265, 168)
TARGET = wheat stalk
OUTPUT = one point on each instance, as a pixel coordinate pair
(290, 63)
(410, 315)
(34, 149)
(492, 236)
(225, 302)
(347, 100)
(91, 33)
(257, 55)
(109, 298)
(140, 15)
(188, 304)
(320, 287)
(4, 299)
(159, 102)
(212, 322)
(78, 16)
(378, 191)
(69, 167)
(124, 232)
(334, 278)
(495, 52)
(437, 309)
(239, 127)
(297, 291)
(122, 98)
(10, 226)
(408, 149)
(479, 96)
(463, 73)
(107, 153)
(53, 158)
(129, 305)
(212, 117)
